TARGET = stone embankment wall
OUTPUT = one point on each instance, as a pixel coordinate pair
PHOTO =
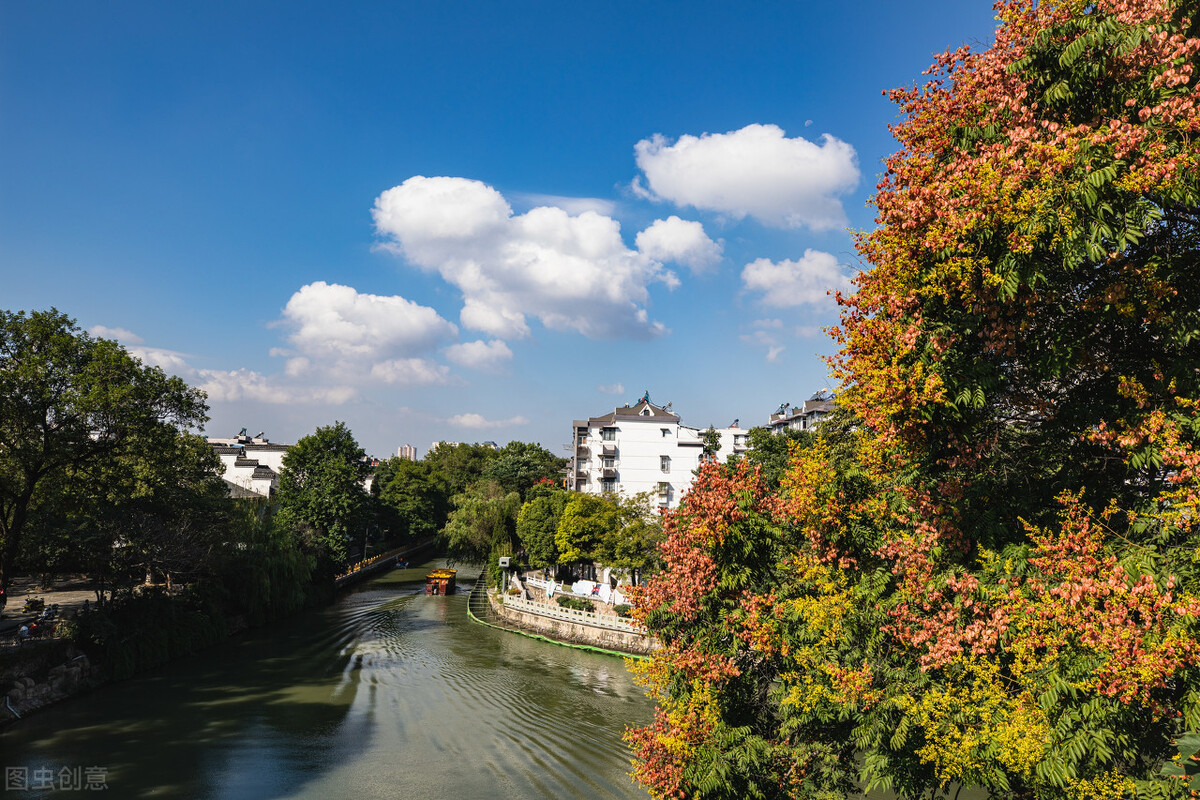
(28, 693)
(575, 632)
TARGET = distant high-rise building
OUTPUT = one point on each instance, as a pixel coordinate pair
(407, 452)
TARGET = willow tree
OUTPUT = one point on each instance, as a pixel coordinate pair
(987, 577)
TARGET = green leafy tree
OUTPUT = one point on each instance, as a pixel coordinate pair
(412, 504)
(455, 466)
(631, 546)
(520, 465)
(68, 402)
(585, 522)
(161, 506)
(712, 442)
(321, 490)
(482, 524)
(771, 452)
(537, 525)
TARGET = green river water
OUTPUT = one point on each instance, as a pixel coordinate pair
(386, 693)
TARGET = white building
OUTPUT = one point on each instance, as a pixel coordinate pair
(251, 464)
(804, 417)
(642, 448)
(406, 452)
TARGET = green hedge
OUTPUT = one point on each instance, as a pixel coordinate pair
(577, 603)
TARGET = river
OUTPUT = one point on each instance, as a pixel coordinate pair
(386, 693)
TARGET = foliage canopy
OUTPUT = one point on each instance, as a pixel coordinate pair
(984, 573)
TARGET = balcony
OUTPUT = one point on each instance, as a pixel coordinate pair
(609, 450)
(608, 472)
(583, 451)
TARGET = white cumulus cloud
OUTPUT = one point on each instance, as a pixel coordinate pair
(681, 241)
(611, 388)
(479, 354)
(120, 334)
(243, 384)
(571, 272)
(477, 421)
(572, 205)
(756, 171)
(167, 360)
(410, 372)
(795, 283)
(328, 320)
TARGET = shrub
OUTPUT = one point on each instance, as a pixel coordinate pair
(577, 603)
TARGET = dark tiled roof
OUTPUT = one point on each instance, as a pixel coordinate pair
(272, 447)
(634, 414)
(246, 462)
(226, 450)
(263, 472)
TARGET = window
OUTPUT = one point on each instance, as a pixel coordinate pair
(664, 463)
(608, 434)
(609, 462)
(665, 432)
(608, 485)
(664, 488)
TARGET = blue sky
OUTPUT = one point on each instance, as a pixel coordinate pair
(459, 220)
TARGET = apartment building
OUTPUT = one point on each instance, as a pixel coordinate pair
(804, 417)
(642, 448)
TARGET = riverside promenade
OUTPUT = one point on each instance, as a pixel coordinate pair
(532, 615)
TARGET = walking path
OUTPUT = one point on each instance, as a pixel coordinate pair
(69, 592)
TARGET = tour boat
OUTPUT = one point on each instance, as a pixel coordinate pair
(440, 581)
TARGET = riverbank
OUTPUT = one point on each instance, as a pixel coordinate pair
(42, 672)
(386, 692)
(586, 630)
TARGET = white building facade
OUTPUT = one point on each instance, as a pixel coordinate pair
(642, 448)
(251, 464)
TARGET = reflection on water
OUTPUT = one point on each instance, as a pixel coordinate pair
(386, 693)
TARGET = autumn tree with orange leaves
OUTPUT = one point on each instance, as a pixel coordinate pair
(986, 571)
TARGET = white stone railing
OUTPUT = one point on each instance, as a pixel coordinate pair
(614, 598)
(555, 611)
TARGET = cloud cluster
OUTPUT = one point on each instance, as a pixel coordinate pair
(572, 273)
(328, 320)
(479, 354)
(337, 331)
(755, 171)
(479, 422)
(338, 340)
(681, 241)
(119, 334)
(786, 284)
(766, 333)
(244, 384)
